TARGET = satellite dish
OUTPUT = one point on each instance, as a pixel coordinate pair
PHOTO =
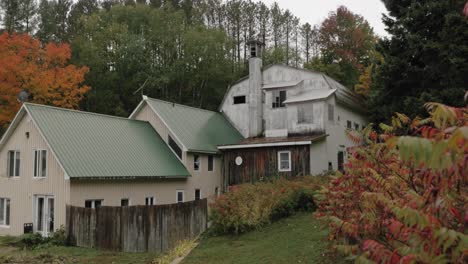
(23, 96)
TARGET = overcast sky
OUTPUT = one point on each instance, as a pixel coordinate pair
(315, 11)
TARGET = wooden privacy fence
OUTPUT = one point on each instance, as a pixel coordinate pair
(136, 228)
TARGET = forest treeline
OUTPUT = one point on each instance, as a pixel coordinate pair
(189, 51)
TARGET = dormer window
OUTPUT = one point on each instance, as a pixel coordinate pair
(239, 99)
(278, 98)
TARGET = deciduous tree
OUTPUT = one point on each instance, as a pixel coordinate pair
(42, 70)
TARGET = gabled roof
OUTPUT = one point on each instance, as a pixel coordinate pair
(89, 145)
(198, 130)
(344, 95)
(310, 95)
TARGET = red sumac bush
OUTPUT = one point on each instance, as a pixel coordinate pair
(404, 195)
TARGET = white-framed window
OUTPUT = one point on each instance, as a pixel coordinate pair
(210, 162)
(93, 203)
(278, 98)
(196, 162)
(180, 196)
(14, 162)
(356, 126)
(124, 202)
(197, 194)
(349, 124)
(4, 212)
(284, 160)
(150, 200)
(40, 163)
(331, 112)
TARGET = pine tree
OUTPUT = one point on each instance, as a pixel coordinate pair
(425, 57)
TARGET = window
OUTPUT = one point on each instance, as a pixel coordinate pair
(196, 162)
(197, 194)
(149, 201)
(348, 124)
(331, 112)
(278, 99)
(175, 147)
(305, 114)
(13, 165)
(180, 196)
(93, 203)
(4, 212)
(284, 161)
(40, 163)
(125, 202)
(340, 161)
(239, 99)
(210, 162)
(356, 126)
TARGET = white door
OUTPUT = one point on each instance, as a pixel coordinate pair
(44, 214)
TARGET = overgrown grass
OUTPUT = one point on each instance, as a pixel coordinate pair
(60, 254)
(297, 239)
(178, 252)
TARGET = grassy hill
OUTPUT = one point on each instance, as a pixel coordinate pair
(297, 239)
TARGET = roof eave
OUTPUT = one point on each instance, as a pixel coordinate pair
(11, 128)
(174, 177)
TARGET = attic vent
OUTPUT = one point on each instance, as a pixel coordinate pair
(239, 99)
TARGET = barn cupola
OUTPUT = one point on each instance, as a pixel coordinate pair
(255, 88)
(256, 48)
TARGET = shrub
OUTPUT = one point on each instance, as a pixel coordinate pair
(250, 206)
(31, 241)
(36, 240)
(404, 196)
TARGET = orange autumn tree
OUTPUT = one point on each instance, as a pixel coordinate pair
(42, 70)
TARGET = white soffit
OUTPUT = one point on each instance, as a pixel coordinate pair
(281, 84)
(311, 95)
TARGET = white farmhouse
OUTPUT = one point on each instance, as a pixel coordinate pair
(293, 121)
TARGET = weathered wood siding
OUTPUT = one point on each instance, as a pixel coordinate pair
(260, 164)
(136, 228)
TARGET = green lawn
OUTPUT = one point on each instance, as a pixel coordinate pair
(298, 239)
(58, 255)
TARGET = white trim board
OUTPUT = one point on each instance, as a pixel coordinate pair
(262, 145)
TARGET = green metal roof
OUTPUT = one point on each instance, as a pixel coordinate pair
(199, 130)
(91, 145)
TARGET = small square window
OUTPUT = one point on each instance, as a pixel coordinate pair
(349, 124)
(197, 194)
(239, 99)
(356, 126)
(149, 201)
(125, 202)
(284, 161)
(196, 162)
(180, 196)
(210, 162)
(93, 203)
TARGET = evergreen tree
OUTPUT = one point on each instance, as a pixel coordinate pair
(425, 58)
